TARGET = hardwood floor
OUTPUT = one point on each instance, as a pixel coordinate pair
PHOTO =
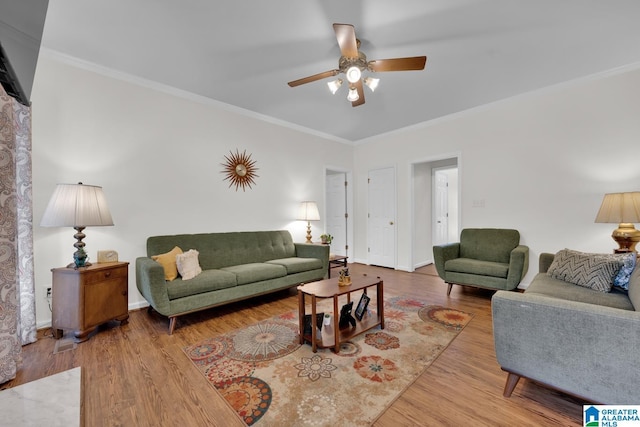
(137, 375)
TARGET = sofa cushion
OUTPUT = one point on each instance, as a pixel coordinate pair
(168, 262)
(543, 284)
(208, 280)
(634, 288)
(188, 265)
(218, 250)
(256, 272)
(595, 271)
(488, 244)
(474, 266)
(298, 265)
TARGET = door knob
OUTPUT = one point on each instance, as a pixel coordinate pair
(390, 222)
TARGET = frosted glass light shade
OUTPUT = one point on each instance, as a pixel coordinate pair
(372, 83)
(353, 95)
(334, 85)
(353, 74)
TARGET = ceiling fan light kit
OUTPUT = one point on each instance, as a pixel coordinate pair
(371, 83)
(353, 95)
(353, 63)
(353, 74)
(334, 85)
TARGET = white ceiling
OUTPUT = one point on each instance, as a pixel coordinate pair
(243, 53)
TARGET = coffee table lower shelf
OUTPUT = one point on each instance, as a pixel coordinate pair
(325, 338)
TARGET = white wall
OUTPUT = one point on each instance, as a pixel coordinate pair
(541, 163)
(158, 158)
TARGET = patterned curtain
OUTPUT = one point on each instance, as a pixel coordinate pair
(17, 289)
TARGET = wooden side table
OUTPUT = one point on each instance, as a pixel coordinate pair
(87, 297)
(336, 261)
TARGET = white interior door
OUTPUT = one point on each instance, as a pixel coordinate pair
(382, 217)
(336, 221)
(441, 208)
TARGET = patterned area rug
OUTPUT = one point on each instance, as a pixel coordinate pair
(271, 380)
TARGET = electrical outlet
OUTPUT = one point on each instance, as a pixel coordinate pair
(48, 293)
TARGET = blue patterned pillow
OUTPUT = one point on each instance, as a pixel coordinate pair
(622, 278)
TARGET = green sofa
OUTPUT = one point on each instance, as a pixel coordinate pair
(572, 338)
(235, 266)
(491, 258)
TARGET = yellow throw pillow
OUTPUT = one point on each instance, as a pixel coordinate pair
(168, 262)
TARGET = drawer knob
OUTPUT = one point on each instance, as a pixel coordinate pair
(107, 274)
(124, 293)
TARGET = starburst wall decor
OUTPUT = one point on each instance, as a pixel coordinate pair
(240, 169)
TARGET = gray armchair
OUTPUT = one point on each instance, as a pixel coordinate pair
(491, 258)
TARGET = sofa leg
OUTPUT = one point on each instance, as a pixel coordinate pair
(172, 324)
(450, 285)
(510, 385)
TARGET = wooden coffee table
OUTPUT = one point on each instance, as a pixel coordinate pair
(331, 336)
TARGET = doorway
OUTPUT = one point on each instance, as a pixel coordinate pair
(338, 222)
(381, 229)
(435, 207)
(445, 205)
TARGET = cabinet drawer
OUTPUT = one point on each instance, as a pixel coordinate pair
(97, 276)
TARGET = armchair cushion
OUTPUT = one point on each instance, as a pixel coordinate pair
(475, 266)
(488, 244)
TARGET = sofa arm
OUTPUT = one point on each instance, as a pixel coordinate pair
(152, 285)
(518, 266)
(442, 254)
(584, 349)
(309, 250)
(545, 262)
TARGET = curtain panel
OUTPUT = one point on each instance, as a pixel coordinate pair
(17, 312)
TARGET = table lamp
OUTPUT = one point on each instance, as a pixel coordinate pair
(308, 212)
(77, 206)
(622, 209)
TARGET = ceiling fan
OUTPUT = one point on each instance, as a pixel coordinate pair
(352, 63)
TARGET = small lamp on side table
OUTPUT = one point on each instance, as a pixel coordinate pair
(622, 209)
(308, 212)
(77, 206)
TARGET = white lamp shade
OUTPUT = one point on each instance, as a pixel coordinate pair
(620, 208)
(77, 205)
(308, 211)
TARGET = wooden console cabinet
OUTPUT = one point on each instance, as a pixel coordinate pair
(87, 297)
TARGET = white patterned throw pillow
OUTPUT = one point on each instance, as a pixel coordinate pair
(594, 271)
(188, 264)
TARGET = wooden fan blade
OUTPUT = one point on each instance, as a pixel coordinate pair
(398, 64)
(313, 78)
(360, 100)
(346, 35)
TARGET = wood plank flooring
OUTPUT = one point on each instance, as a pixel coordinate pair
(137, 375)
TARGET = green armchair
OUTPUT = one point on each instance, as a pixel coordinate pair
(490, 258)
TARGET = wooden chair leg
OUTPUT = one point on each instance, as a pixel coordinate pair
(450, 285)
(172, 324)
(510, 385)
